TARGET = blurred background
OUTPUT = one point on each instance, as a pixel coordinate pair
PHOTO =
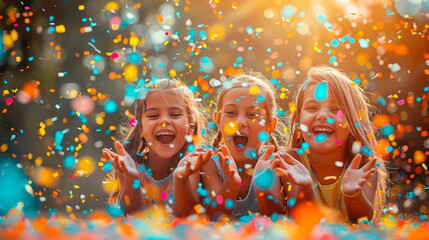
(68, 70)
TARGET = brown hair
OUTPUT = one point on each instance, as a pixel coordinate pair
(352, 101)
(250, 79)
(131, 136)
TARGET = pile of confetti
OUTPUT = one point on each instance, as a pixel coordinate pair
(69, 72)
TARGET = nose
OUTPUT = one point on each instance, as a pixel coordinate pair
(322, 115)
(241, 120)
(164, 120)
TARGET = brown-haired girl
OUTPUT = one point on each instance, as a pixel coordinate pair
(245, 119)
(167, 124)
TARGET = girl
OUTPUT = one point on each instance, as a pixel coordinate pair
(245, 118)
(167, 124)
(333, 147)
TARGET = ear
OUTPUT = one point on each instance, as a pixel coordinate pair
(217, 119)
(272, 126)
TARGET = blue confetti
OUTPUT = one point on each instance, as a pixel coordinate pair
(264, 179)
(69, 161)
(263, 136)
(363, 43)
(321, 92)
(110, 106)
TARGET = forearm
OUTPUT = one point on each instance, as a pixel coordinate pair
(229, 190)
(185, 197)
(358, 206)
(131, 198)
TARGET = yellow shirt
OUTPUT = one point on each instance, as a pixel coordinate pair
(327, 195)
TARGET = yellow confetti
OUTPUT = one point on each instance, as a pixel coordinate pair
(330, 177)
(230, 128)
(254, 90)
(60, 29)
(76, 186)
(81, 7)
(55, 174)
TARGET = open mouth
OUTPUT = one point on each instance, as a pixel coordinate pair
(165, 137)
(326, 130)
(240, 140)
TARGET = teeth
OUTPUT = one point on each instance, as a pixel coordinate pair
(240, 134)
(164, 134)
(323, 130)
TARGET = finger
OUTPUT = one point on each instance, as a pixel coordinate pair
(369, 165)
(274, 163)
(368, 174)
(207, 155)
(198, 163)
(221, 158)
(120, 148)
(116, 162)
(107, 155)
(283, 164)
(225, 150)
(267, 154)
(355, 162)
(289, 159)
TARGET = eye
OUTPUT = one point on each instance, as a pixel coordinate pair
(229, 113)
(176, 114)
(254, 114)
(152, 115)
(310, 107)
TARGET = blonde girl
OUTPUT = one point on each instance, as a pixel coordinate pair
(167, 126)
(333, 148)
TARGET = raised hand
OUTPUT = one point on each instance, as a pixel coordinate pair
(263, 162)
(355, 177)
(122, 161)
(293, 171)
(228, 165)
(192, 163)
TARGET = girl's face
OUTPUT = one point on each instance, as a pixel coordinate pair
(165, 123)
(240, 121)
(323, 122)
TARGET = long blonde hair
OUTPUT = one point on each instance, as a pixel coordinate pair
(250, 79)
(351, 100)
(131, 136)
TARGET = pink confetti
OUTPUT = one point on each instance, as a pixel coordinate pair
(114, 55)
(338, 142)
(400, 102)
(9, 101)
(163, 195)
(219, 199)
(26, 7)
(339, 114)
(133, 122)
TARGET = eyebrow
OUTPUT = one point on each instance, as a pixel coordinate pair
(157, 109)
(236, 105)
(309, 101)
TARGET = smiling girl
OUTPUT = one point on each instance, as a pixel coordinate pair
(167, 123)
(333, 147)
(245, 119)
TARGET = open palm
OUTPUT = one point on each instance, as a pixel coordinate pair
(192, 163)
(355, 177)
(293, 171)
(122, 161)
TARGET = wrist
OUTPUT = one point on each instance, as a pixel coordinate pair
(349, 195)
